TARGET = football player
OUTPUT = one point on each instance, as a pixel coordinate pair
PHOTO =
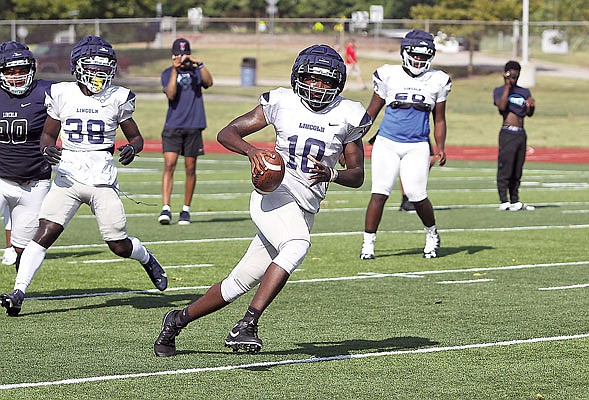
(411, 92)
(313, 125)
(24, 173)
(88, 111)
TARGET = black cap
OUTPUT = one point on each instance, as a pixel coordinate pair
(180, 46)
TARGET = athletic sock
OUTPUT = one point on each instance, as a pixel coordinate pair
(186, 208)
(139, 252)
(31, 259)
(166, 207)
(252, 315)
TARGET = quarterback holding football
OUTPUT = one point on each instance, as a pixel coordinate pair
(314, 126)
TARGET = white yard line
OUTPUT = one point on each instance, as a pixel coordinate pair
(310, 360)
(583, 285)
(364, 275)
(465, 281)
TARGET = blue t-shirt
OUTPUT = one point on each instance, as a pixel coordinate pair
(21, 124)
(516, 102)
(187, 110)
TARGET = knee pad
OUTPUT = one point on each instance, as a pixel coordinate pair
(234, 286)
(292, 254)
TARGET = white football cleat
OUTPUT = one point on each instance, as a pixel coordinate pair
(504, 206)
(432, 244)
(519, 206)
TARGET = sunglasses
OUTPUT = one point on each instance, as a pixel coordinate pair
(512, 76)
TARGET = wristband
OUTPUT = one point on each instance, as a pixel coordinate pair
(334, 174)
(200, 66)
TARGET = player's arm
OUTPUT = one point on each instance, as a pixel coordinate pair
(207, 77)
(503, 101)
(231, 137)
(48, 139)
(531, 106)
(135, 145)
(171, 87)
(439, 115)
(376, 104)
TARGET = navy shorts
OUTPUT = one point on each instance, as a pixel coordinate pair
(186, 142)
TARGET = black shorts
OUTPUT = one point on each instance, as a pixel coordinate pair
(186, 142)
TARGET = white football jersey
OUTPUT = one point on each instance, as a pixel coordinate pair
(409, 101)
(88, 129)
(301, 131)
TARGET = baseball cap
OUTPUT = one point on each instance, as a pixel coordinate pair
(180, 46)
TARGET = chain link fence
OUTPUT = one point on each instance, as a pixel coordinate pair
(52, 39)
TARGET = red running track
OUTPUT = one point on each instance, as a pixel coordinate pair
(466, 153)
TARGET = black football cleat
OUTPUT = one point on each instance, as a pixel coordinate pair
(156, 272)
(12, 302)
(165, 345)
(244, 336)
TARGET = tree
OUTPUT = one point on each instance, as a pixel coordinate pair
(466, 10)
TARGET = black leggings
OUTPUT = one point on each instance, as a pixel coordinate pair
(510, 164)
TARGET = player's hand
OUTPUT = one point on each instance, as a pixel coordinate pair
(52, 154)
(127, 154)
(441, 157)
(530, 102)
(256, 157)
(322, 173)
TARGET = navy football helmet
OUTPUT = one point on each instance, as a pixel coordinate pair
(417, 51)
(319, 60)
(14, 54)
(94, 63)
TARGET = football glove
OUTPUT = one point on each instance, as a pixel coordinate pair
(52, 154)
(127, 154)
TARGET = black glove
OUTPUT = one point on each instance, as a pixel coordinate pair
(52, 154)
(127, 154)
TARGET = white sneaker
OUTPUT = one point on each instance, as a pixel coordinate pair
(9, 256)
(504, 206)
(432, 244)
(519, 206)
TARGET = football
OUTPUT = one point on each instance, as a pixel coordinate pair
(268, 181)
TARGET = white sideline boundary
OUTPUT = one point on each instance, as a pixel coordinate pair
(427, 350)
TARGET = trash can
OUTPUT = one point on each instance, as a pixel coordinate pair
(248, 71)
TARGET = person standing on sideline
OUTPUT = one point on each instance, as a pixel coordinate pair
(25, 176)
(352, 62)
(87, 112)
(514, 104)
(183, 83)
(314, 125)
(411, 92)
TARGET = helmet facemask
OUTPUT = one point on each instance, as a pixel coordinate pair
(95, 72)
(17, 84)
(417, 59)
(316, 96)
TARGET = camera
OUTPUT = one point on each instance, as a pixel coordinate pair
(187, 64)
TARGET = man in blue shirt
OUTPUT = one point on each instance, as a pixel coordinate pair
(182, 134)
(514, 103)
